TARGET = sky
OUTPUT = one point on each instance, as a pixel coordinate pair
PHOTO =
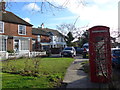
(90, 12)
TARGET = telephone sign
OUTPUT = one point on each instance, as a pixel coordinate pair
(100, 54)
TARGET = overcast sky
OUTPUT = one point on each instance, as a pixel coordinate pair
(90, 13)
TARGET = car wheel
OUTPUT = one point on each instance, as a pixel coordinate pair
(84, 55)
(113, 65)
(73, 56)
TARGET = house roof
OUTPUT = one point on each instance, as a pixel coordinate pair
(54, 32)
(9, 17)
(39, 31)
(46, 31)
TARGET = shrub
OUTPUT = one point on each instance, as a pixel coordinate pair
(54, 77)
(10, 51)
(31, 70)
(85, 66)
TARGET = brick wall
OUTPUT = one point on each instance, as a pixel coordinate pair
(31, 45)
(44, 39)
(11, 29)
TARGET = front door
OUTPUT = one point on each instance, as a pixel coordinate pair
(16, 45)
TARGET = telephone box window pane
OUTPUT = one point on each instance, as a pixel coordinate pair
(100, 55)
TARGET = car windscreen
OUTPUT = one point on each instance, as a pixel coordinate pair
(68, 49)
(85, 46)
(117, 52)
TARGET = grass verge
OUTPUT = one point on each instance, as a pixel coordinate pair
(34, 73)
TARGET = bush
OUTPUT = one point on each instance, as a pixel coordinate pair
(48, 53)
(10, 51)
(54, 77)
(30, 70)
(30, 67)
(85, 66)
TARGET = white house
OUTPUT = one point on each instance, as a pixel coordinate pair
(57, 39)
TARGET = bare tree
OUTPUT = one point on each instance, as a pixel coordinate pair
(66, 28)
(116, 33)
(47, 5)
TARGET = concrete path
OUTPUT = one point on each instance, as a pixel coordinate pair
(76, 78)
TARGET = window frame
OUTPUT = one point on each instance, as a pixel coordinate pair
(22, 29)
(3, 45)
(24, 45)
(2, 27)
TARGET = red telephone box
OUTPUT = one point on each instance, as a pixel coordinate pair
(100, 54)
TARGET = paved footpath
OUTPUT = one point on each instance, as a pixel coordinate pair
(76, 78)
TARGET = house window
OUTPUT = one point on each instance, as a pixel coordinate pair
(24, 44)
(62, 40)
(2, 44)
(50, 46)
(38, 38)
(1, 27)
(21, 30)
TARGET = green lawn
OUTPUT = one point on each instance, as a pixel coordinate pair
(34, 73)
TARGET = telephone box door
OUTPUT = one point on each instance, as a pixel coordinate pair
(100, 54)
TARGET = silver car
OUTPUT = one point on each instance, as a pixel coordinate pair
(68, 51)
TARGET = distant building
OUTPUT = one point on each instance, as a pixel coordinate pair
(57, 39)
(40, 40)
(47, 39)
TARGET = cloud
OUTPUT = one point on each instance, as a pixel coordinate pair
(66, 18)
(27, 19)
(96, 12)
(32, 7)
(105, 1)
(101, 1)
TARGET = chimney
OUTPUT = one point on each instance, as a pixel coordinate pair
(42, 25)
(2, 5)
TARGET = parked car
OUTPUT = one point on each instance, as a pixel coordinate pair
(86, 50)
(79, 50)
(68, 51)
(116, 57)
(118, 46)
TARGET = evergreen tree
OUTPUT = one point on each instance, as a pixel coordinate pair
(69, 38)
(83, 39)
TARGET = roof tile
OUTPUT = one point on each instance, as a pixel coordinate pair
(12, 18)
